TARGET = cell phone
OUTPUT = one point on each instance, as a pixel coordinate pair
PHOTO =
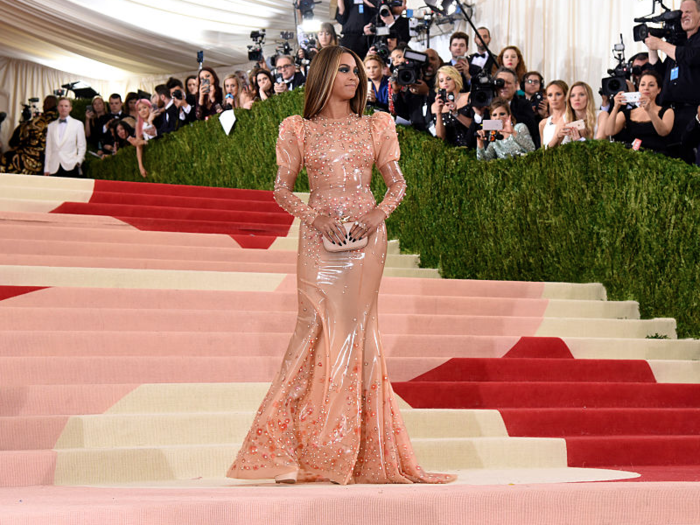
(577, 124)
(632, 98)
(205, 81)
(89, 108)
(492, 125)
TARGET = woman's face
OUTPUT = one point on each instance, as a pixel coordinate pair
(555, 97)
(324, 38)
(396, 57)
(374, 69)
(230, 86)
(578, 98)
(121, 132)
(99, 105)
(445, 81)
(192, 86)
(132, 104)
(532, 85)
(143, 110)
(500, 113)
(510, 59)
(649, 87)
(263, 82)
(347, 79)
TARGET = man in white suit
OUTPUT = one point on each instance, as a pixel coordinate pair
(65, 143)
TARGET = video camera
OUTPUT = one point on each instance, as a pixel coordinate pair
(670, 29)
(30, 110)
(255, 52)
(617, 81)
(484, 89)
(411, 70)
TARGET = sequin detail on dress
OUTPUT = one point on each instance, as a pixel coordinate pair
(331, 412)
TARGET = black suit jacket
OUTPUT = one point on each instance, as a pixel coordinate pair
(489, 66)
(691, 138)
(298, 80)
(522, 111)
(166, 122)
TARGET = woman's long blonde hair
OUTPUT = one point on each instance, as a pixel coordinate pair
(590, 118)
(321, 77)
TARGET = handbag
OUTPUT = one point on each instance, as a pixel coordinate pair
(349, 245)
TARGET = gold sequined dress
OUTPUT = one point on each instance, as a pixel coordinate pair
(331, 412)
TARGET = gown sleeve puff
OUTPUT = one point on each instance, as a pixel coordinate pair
(290, 160)
(386, 155)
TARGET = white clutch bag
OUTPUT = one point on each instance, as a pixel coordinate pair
(349, 245)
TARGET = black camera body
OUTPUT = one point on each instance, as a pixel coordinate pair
(255, 51)
(445, 96)
(484, 89)
(537, 99)
(670, 29)
(619, 75)
(386, 5)
(411, 70)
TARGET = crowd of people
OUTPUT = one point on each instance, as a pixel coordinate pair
(491, 103)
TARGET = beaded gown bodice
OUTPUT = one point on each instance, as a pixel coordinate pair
(331, 412)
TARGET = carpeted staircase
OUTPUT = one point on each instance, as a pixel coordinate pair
(141, 323)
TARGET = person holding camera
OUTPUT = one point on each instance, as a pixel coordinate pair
(580, 107)
(287, 78)
(96, 117)
(353, 18)
(680, 72)
(378, 94)
(451, 110)
(649, 123)
(513, 139)
(211, 96)
(519, 106)
(413, 102)
(532, 84)
(184, 112)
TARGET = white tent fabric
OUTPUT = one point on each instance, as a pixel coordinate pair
(122, 45)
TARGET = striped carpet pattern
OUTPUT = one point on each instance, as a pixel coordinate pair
(140, 325)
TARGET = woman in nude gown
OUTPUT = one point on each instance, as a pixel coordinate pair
(331, 413)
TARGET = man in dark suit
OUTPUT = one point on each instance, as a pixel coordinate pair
(185, 112)
(481, 60)
(691, 137)
(291, 78)
(166, 121)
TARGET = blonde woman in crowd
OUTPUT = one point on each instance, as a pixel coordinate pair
(451, 110)
(552, 129)
(580, 106)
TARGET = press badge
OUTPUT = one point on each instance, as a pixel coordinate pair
(674, 73)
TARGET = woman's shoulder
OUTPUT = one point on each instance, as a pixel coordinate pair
(521, 128)
(380, 120)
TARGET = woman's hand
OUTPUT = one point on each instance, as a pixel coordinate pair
(619, 100)
(330, 228)
(574, 133)
(508, 126)
(480, 138)
(645, 103)
(542, 109)
(437, 106)
(449, 107)
(143, 171)
(367, 224)
(370, 95)
(90, 114)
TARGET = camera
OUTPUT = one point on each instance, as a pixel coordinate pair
(617, 81)
(178, 94)
(537, 99)
(410, 71)
(255, 52)
(670, 29)
(483, 89)
(30, 110)
(445, 96)
(382, 48)
(386, 5)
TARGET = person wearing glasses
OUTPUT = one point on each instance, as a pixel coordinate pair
(532, 84)
(291, 78)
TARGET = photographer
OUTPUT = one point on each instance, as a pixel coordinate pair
(680, 71)
(532, 85)
(287, 77)
(353, 18)
(521, 108)
(451, 108)
(649, 122)
(513, 139)
(28, 141)
(390, 18)
(184, 113)
(639, 64)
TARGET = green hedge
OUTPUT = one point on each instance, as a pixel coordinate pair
(584, 212)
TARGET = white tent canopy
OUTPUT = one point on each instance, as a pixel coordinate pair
(122, 45)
